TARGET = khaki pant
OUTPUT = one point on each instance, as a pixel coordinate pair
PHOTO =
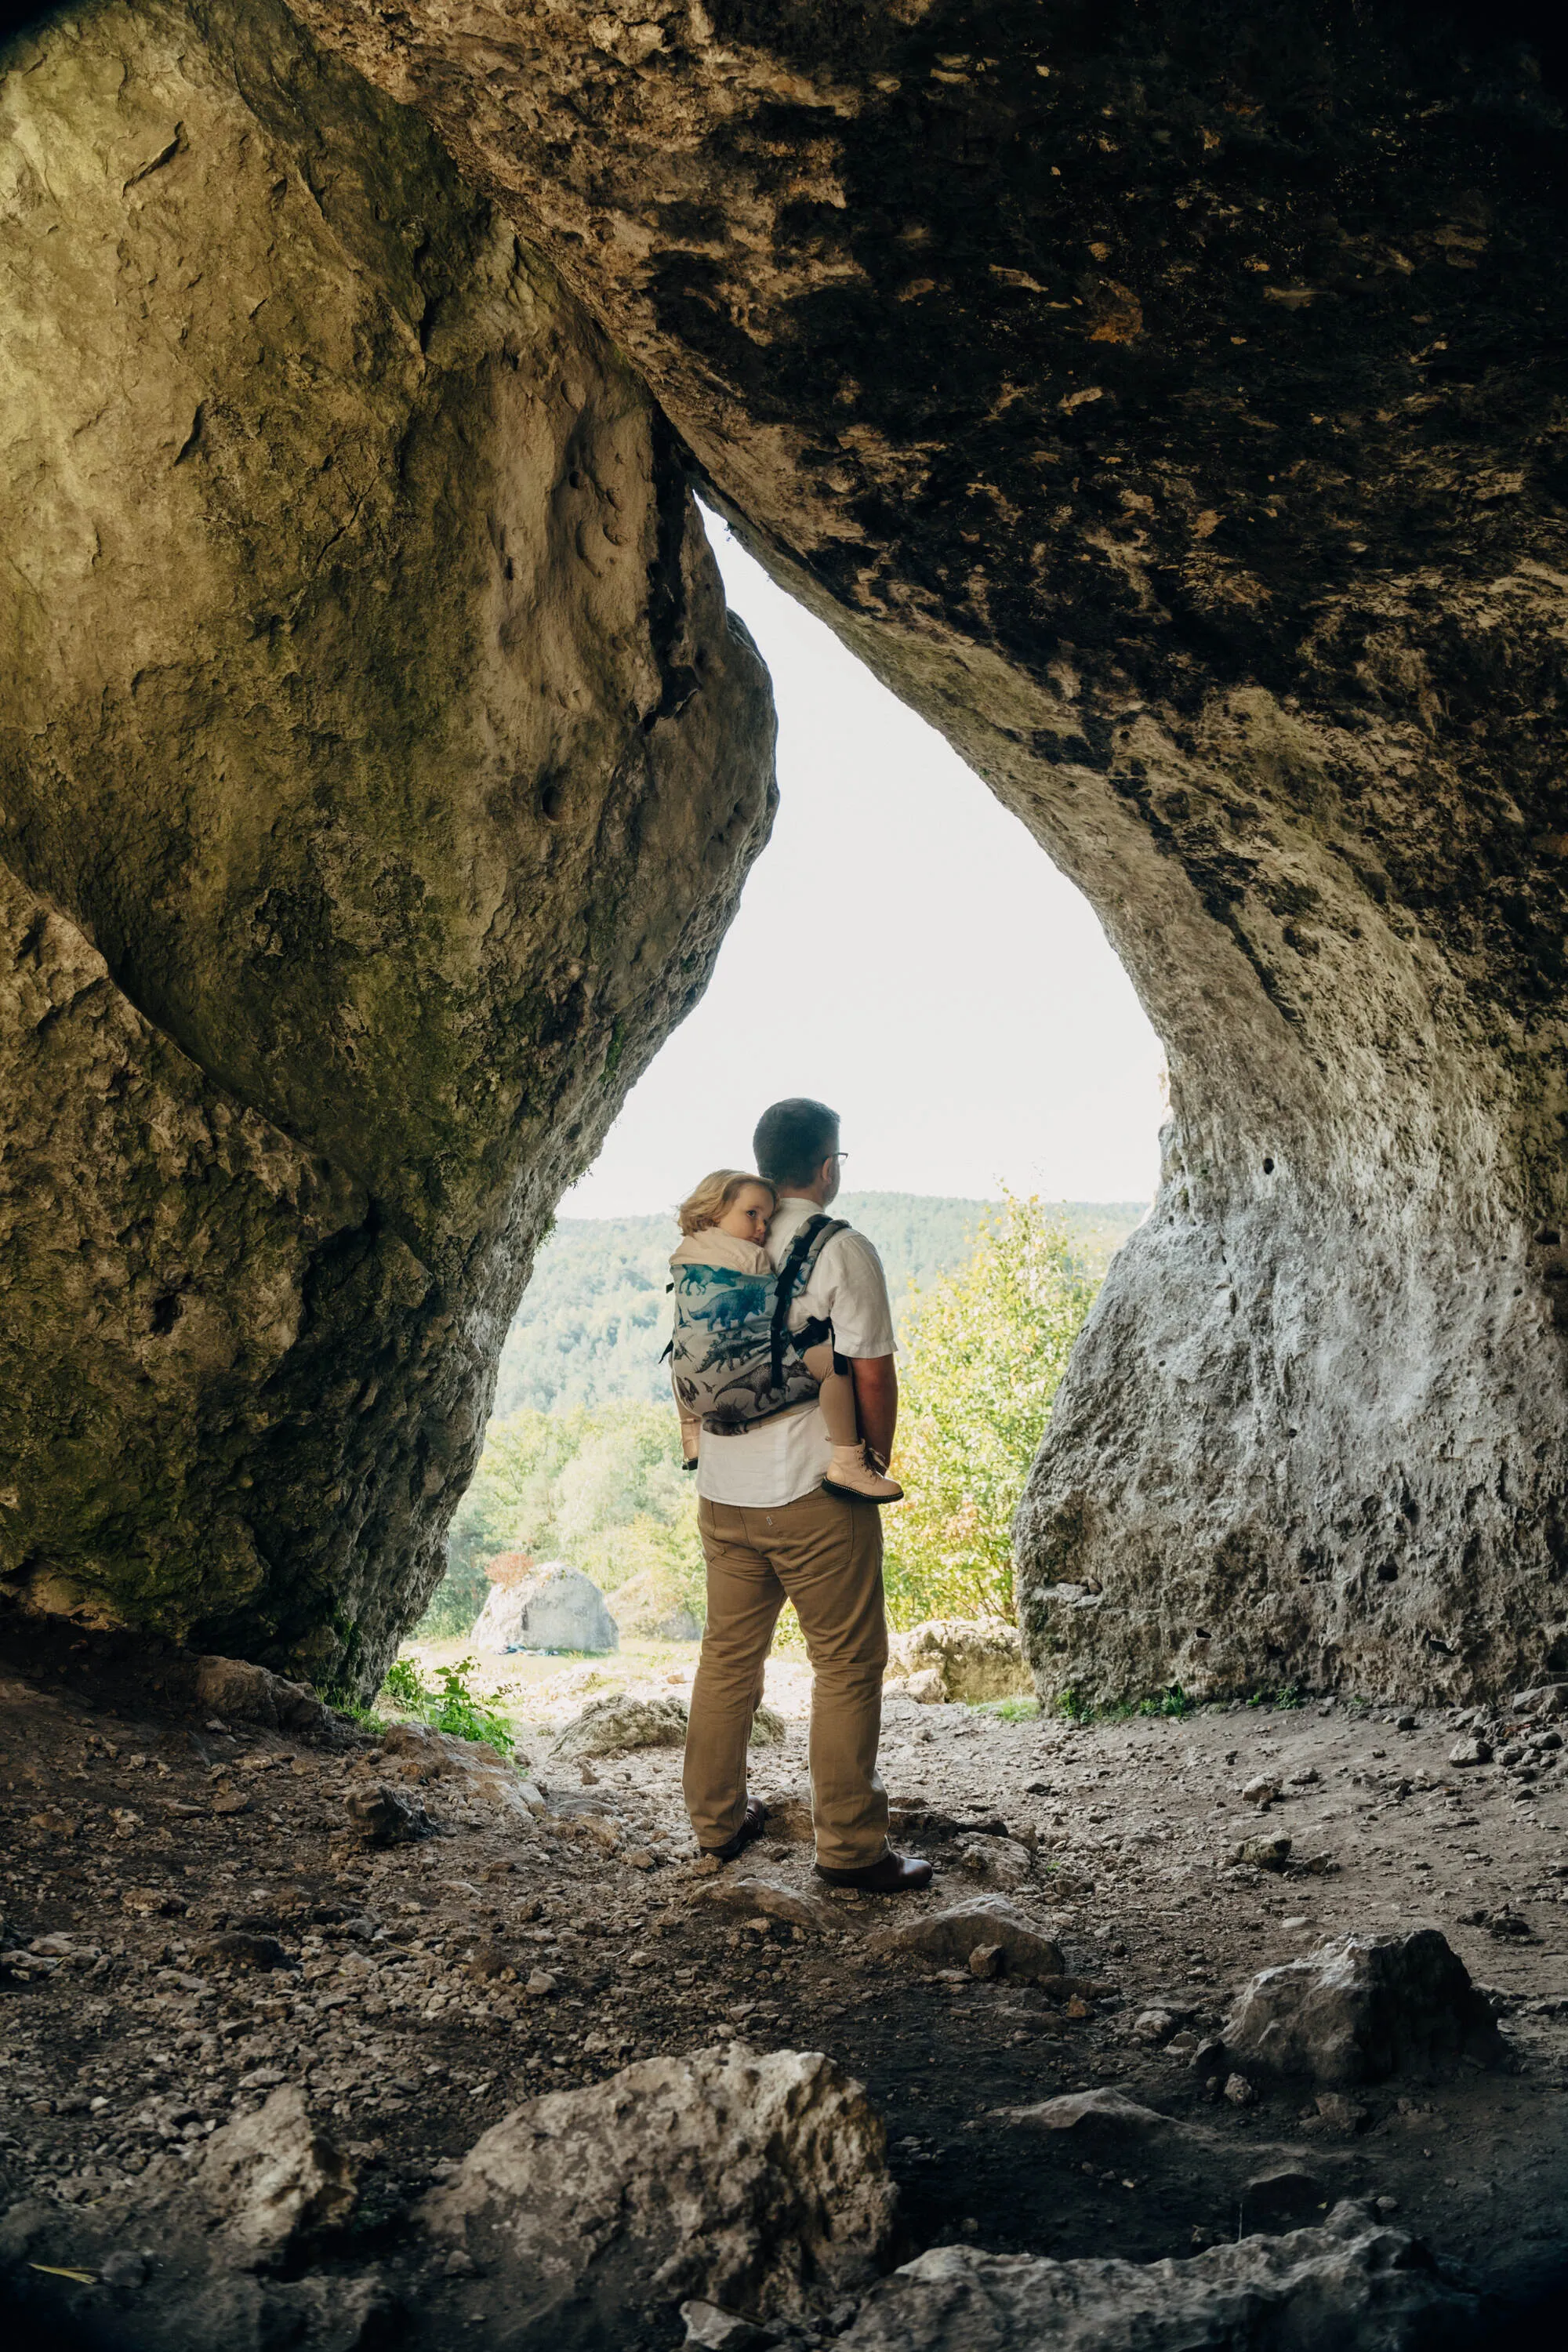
(824, 1555)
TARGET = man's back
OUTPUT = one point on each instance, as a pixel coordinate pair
(776, 1461)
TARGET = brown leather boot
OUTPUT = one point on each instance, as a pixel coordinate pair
(890, 1874)
(751, 1829)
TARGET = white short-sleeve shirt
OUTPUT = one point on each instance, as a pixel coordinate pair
(779, 1460)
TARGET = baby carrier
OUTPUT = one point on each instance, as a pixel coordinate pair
(733, 1359)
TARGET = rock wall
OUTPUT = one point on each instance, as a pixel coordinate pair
(378, 771)
(1168, 401)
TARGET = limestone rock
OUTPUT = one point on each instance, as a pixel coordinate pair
(1549, 1699)
(714, 2330)
(1284, 2197)
(619, 1726)
(755, 2182)
(769, 1898)
(233, 1689)
(379, 1815)
(1265, 1853)
(996, 1860)
(1347, 2282)
(468, 1770)
(1363, 2009)
(789, 1818)
(951, 1933)
(271, 2179)
(1214, 615)
(972, 1660)
(379, 771)
(556, 1608)
(1088, 2113)
(926, 1687)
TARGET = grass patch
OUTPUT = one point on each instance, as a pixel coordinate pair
(448, 1704)
(1174, 1702)
(364, 1716)
(1016, 1709)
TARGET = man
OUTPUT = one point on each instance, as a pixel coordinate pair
(770, 1533)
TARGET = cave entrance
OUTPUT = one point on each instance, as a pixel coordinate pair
(905, 950)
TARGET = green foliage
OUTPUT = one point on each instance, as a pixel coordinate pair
(448, 1704)
(596, 1316)
(357, 1712)
(1172, 1702)
(456, 1600)
(986, 1349)
(582, 1460)
(1009, 1710)
(603, 1489)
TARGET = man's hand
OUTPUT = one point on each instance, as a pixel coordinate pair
(876, 1379)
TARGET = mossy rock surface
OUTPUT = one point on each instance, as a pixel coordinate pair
(378, 771)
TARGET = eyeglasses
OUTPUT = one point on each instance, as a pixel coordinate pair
(838, 1155)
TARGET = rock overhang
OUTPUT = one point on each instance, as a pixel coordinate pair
(1168, 409)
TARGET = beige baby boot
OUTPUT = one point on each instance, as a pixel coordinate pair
(850, 1474)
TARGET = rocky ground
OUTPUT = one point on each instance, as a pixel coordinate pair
(202, 1910)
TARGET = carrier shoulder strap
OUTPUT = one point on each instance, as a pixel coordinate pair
(803, 1253)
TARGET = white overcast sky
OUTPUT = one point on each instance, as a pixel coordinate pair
(904, 951)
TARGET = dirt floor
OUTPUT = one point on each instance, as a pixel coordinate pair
(417, 1993)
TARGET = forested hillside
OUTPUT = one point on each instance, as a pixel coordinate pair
(594, 1317)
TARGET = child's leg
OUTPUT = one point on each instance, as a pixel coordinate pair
(849, 1474)
(690, 1432)
(835, 1395)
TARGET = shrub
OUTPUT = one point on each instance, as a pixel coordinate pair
(448, 1704)
(986, 1349)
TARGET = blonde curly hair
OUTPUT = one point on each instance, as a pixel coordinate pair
(705, 1205)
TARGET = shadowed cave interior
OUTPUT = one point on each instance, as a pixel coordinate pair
(1166, 402)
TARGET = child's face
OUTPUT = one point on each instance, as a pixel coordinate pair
(749, 1215)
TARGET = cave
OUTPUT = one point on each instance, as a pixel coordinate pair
(1165, 399)
(1164, 402)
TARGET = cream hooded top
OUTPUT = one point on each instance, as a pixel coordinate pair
(710, 1247)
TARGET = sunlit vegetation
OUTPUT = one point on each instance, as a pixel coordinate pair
(989, 1298)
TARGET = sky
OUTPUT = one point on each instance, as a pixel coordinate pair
(905, 951)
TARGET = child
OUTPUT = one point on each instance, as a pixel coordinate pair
(725, 1222)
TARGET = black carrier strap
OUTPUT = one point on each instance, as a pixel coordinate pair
(805, 1250)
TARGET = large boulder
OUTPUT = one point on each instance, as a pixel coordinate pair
(756, 2182)
(1363, 2009)
(555, 1608)
(1348, 2282)
(1176, 422)
(961, 1658)
(378, 771)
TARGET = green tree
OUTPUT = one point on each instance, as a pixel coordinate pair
(602, 1489)
(985, 1349)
